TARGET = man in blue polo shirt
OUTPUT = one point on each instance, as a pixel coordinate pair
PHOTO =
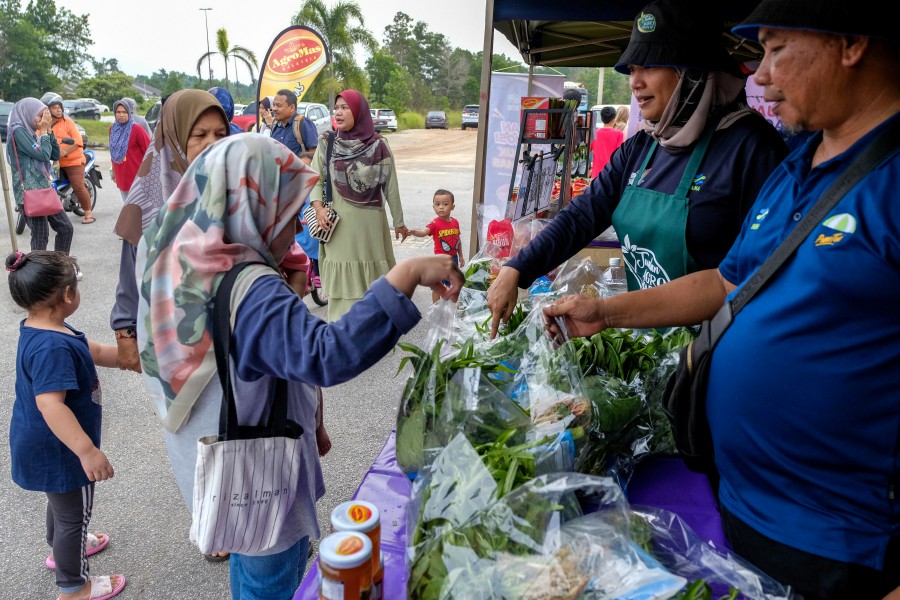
(804, 388)
(284, 109)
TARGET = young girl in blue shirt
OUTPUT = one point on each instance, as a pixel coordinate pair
(54, 432)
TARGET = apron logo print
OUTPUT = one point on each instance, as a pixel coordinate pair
(643, 265)
(759, 218)
(699, 180)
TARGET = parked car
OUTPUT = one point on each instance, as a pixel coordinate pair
(386, 117)
(153, 115)
(436, 119)
(380, 123)
(311, 110)
(318, 113)
(5, 109)
(81, 109)
(100, 105)
(239, 108)
(470, 116)
(84, 136)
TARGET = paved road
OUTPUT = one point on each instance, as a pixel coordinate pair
(140, 507)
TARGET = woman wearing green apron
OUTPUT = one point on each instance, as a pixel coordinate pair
(678, 190)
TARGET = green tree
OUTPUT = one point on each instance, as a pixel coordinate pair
(66, 36)
(226, 51)
(342, 28)
(104, 66)
(380, 67)
(400, 42)
(108, 88)
(398, 90)
(39, 46)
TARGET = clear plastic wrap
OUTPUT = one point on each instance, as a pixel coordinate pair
(675, 545)
(534, 542)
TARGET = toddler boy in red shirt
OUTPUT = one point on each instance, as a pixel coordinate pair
(444, 229)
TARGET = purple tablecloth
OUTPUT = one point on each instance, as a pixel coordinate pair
(388, 488)
(658, 482)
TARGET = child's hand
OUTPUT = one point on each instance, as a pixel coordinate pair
(96, 466)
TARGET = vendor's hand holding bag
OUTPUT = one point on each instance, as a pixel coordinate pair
(246, 477)
(41, 202)
(684, 400)
(309, 213)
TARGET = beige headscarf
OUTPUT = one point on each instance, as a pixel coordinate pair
(165, 161)
(720, 89)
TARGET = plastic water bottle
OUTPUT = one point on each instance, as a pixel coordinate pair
(614, 277)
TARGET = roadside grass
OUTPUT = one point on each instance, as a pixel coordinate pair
(410, 120)
(97, 131)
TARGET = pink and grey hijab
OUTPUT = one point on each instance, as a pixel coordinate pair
(23, 114)
(361, 161)
(232, 202)
(165, 161)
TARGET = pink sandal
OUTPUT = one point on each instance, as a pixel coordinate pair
(102, 589)
(93, 545)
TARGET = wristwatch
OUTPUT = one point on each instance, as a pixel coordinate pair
(125, 333)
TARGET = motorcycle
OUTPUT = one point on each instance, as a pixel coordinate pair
(63, 186)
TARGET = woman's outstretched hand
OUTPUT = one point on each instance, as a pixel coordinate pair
(581, 316)
(437, 272)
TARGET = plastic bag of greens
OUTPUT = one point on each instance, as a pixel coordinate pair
(580, 276)
(424, 390)
(469, 541)
(676, 546)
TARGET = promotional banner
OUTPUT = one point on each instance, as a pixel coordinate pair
(293, 61)
(503, 124)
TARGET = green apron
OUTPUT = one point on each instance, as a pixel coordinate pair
(652, 226)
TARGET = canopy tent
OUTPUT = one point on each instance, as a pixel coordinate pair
(574, 33)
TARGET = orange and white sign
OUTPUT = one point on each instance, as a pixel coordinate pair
(293, 61)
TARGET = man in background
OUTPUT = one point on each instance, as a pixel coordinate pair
(606, 140)
(299, 137)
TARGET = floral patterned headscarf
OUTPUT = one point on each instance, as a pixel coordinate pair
(232, 202)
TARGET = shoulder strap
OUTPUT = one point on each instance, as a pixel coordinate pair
(221, 333)
(878, 150)
(299, 134)
(327, 169)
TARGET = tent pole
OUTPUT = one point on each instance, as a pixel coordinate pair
(530, 79)
(10, 215)
(483, 116)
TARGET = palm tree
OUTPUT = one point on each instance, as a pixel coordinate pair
(342, 27)
(223, 49)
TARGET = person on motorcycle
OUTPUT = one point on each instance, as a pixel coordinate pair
(71, 156)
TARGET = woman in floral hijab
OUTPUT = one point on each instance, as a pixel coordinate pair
(238, 202)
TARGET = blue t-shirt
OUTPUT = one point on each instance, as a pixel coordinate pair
(734, 168)
(51, 361)
(285, 134)
(309, 244)
(804, 387)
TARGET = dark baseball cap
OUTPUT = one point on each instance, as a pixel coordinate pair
(678, 33)
(861, 17)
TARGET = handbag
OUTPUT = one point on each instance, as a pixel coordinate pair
(309, 213)
(246, 477)
(684, 399)
(41, 202)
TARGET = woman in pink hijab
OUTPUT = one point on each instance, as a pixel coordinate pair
(363, 180)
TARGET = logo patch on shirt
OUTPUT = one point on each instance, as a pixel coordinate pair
(758, 219)
(843, 225)
(844, 222)
(699, 180)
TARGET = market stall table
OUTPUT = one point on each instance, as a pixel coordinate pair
(658, 482)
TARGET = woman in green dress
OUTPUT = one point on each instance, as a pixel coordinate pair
(363, 180)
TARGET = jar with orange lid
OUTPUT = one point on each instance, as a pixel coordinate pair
(362, 517)
(345, 564)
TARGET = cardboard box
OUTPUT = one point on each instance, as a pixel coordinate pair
(536, 125)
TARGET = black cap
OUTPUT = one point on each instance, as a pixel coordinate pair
(861, 17)
(670, 33)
